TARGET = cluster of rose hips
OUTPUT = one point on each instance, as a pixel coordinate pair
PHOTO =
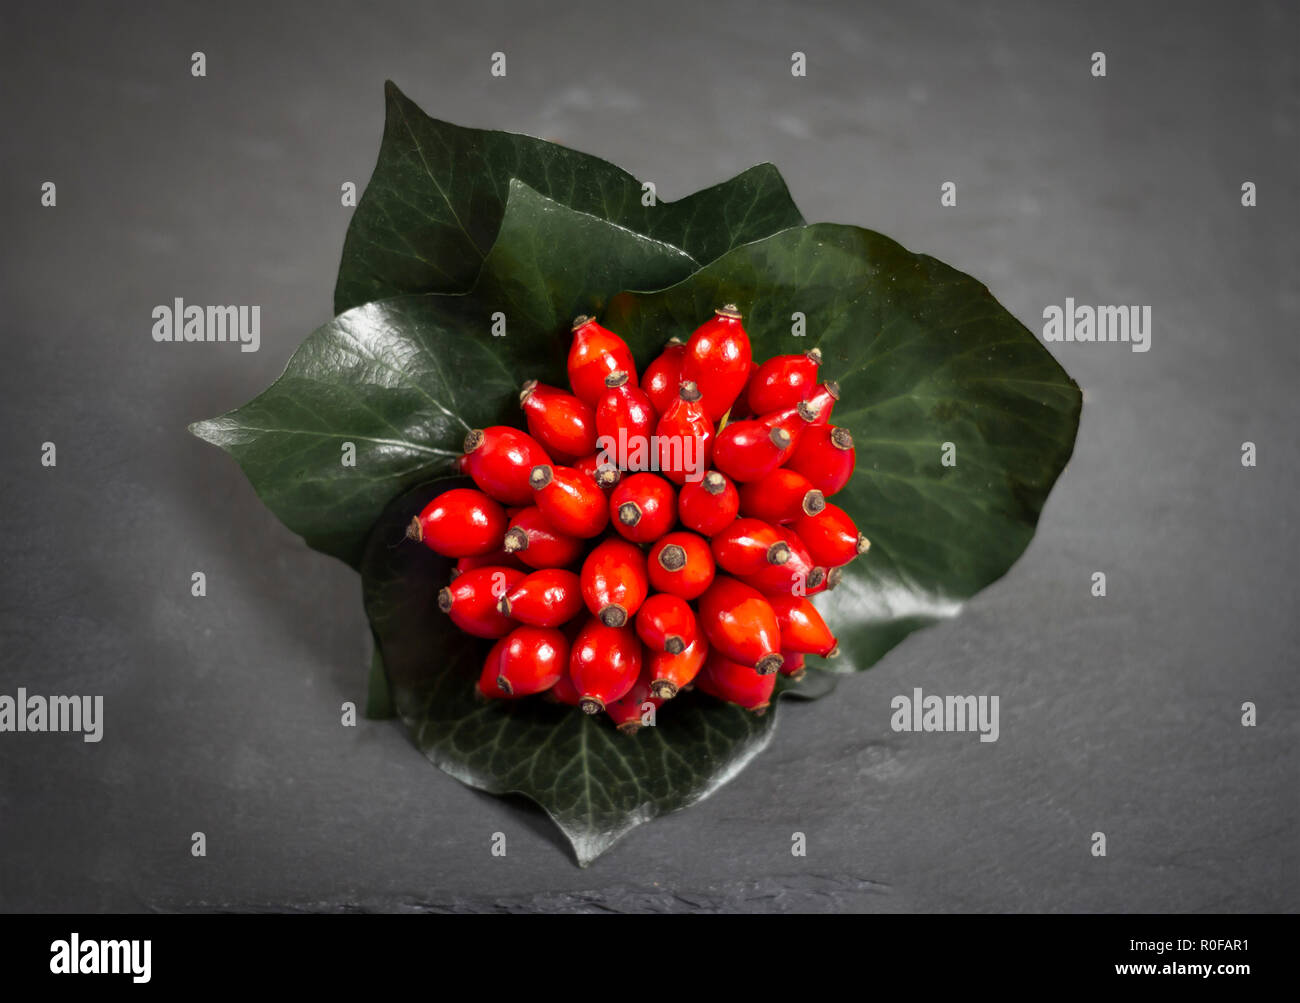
(706, 576)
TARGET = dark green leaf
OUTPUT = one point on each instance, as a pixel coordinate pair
(924, 356)
(438, 193)
(596, 783)
(404, 379)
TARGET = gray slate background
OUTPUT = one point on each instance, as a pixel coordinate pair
(1118, 714)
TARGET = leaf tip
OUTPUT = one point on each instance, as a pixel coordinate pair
(215, 431)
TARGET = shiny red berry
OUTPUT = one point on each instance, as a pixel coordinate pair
(796, 575)
(783, 381)
(561, 422)
(684, 437)
(681, 564)
(624, 413)
(614, 581)
(666, 622)
(461, 522)
(736, 683)
(750, 449)
(662, 377)
(471, 600)
(709, 504)
(595, 353)
(747, 545)
(781, 497)
(532, 660)
(831, 536)
(718, 358)
(802, 627)
(604, 664)
(643, 507)
(499, 458)
(538, 544)
(740, 624)
(546, 598)
(825, 455)
(571, 501)
(669, 673)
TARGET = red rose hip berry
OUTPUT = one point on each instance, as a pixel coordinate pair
(533, 659)
(831, 536)
(736, 683)
(624, 413)
(747, 546)
(614, 581)
(825, 455)
(535, 542)
(571, 501)
(680, 564)
(750, 449)
(461, 522)
(666, 622)
(708, 505)
(604, 663)
(662, 377)
(594, 354)
(546, 598)
(643, 507)
(802, 627)
(670, 674)
(684, 437)
(783, 381)
(781, 497)
(741, 625)
(472, 600)
(499, 459)
(796, 575)
(718, 358)
(562, 423)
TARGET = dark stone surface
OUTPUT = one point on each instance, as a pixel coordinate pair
(1119, 714)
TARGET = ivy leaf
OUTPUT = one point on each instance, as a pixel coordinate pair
(596, 783)
(931, 368)
(402, 380)
(439, 191)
